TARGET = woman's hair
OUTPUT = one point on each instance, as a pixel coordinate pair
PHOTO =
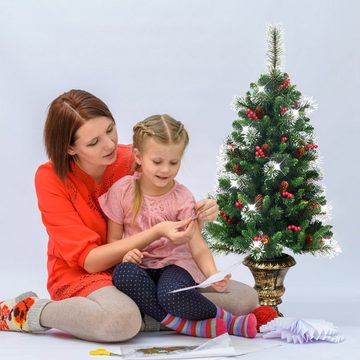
(67, 113)
(164, 130)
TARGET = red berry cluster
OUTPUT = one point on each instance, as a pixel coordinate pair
(229, 219)
(284, 110)
(287, 194)
(251, 114)
(239, 204)
(309, 146)
(257, 238)
(284, 139)
(259, 152)
(294, 227)
(286, 83)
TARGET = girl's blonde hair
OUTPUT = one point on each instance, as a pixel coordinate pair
(163, 129)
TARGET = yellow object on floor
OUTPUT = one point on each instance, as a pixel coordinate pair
(102, 351)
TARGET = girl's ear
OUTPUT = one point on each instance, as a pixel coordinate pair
(137, 156)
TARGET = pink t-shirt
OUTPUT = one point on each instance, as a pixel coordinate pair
(177, 204)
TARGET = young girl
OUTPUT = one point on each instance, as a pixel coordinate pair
(148, 275)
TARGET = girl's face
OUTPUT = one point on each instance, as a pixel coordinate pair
(160, 164)
(95, 146)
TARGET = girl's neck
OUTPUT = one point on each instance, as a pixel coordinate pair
(150, 190)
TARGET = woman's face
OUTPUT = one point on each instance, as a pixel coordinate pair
(95, 144)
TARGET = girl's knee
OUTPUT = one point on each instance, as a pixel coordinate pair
(125, 268)
(123, 273)
(169, 302)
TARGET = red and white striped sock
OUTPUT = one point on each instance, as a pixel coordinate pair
(208, 328)
(242, 325)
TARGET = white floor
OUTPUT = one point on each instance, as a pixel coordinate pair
(56, 345)
(342, 311)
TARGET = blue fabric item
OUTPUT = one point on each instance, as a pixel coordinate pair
(149, 288)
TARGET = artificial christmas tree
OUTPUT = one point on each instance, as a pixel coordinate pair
(268, 189)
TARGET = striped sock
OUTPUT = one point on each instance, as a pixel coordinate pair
(242, 325)
(208, 328)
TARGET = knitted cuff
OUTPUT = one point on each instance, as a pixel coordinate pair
(150, 324)
(24, 296)
(33, 315)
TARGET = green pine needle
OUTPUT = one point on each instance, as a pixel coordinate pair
(275, 47)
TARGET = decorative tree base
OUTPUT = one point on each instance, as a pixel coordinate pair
(269, 278)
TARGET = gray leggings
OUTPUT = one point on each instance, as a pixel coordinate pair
(108, 315)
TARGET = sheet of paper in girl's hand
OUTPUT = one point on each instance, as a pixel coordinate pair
(210, 280)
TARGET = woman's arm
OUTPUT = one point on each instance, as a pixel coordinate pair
(108, 255)
(206, 210)
(79, 244)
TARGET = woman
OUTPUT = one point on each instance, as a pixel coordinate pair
(85, 160)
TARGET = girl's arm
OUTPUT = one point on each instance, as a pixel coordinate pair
(108, 255)
(114, 231)
(205, 260)
(201, 253)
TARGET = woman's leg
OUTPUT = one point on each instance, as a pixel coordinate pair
(106, 315)
(239, 298)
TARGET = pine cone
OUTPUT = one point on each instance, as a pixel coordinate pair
(258, 201)
(259, 112)
(300, 152)
(309, 238)
(265, 240)
(283, 186)
(237, 169)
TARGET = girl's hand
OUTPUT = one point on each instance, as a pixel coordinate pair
(134, 256)
(179, 232)
(221, 286)
(206, 210)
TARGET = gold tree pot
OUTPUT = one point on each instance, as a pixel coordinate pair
(269, 278)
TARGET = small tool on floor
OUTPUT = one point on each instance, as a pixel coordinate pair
(102, 351)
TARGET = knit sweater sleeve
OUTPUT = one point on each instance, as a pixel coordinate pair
(70, 239)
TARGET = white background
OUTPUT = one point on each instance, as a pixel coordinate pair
(187, 58)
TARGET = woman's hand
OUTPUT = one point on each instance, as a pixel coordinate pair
(134, 256)
(206, 210)
(221, 286)
(179, 232)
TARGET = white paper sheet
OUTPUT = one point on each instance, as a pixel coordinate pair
(195, 348)
(210, 280)
(301, 331)
(219, 346)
